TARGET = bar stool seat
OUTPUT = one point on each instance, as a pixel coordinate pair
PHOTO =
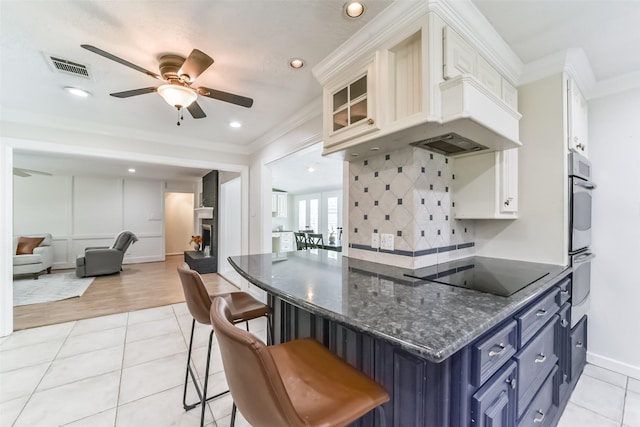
(242, 308)
(297, 383)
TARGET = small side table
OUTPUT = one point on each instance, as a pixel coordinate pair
(200, 263)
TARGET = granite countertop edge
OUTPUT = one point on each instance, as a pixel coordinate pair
(431, 354)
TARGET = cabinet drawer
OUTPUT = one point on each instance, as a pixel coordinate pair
(535, 362)
(538, 412)
(565, 291)
(578, 348)
(490, 353)
(532, 319)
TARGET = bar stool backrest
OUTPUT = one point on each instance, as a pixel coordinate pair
(252, 375)
(195, 294)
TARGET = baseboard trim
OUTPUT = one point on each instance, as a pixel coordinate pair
(614, 365)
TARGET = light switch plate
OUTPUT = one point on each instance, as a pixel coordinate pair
(386, 242)
(375, 240)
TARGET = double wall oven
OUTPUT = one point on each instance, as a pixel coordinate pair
(580, 208)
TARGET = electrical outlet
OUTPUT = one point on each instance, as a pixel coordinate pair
(375, 240)
(386, 242)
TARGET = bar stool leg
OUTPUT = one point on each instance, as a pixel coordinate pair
(383, 418)
(201, 395)
(189, 371)
(234, 408)
(206, 381)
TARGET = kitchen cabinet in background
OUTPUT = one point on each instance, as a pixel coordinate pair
(486, 186)
(279, 204)
(577, 118)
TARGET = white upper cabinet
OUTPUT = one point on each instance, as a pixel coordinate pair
(459, 56)
(279, 205)
(486, 186)
(413, 78)
(577, 118)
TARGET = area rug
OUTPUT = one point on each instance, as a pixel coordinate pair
(49, 287)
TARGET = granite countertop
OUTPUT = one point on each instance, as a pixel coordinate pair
(428, 319)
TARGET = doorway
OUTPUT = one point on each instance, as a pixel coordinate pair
(178, 222)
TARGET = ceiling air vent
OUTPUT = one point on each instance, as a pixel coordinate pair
(69, 67)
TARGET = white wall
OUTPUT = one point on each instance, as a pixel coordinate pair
(91, 211)
(230, 226)
(539, 234)
(178, 225)
(614, 150)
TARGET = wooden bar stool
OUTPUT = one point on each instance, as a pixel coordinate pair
(297, 383)
(243, 307)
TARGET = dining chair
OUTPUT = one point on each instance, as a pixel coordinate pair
(242, 306)
(315, 240)
(301, 241)
(296, 383)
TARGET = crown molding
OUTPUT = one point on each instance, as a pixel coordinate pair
(370, 37)
(461, 15)
(311, 110)
(616, 85)
(470, 23)
(29, 119)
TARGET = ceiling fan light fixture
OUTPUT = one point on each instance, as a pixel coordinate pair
(177, 96)
(77, 92)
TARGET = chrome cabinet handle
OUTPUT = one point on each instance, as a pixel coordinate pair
(495, 353)
(540, 358)
(564, 291)
(506, 202)
(564, 323)
(541, 313)
(579, 344)
(511, 382)
(540, 418)
(370, 121)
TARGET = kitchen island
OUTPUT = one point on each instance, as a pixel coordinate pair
(437, 349)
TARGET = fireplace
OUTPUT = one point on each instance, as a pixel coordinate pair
(206, 235)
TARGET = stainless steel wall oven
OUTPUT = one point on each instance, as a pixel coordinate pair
(580, 209)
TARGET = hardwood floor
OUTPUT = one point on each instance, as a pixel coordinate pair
(137, 287)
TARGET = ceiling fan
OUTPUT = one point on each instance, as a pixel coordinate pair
(28, 172)
(178, 74)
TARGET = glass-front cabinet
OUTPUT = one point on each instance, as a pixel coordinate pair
(350, 107)
(350, 104)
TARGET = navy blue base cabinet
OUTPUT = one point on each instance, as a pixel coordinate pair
(520, 373)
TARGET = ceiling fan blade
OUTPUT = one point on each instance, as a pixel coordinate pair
(119, 60)
(28, 172)
(134, 92)
(195, 64)
(19, 172)
(196, 111)
(225, 96)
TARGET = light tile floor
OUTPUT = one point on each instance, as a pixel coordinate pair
(128, 370)
(120, 370)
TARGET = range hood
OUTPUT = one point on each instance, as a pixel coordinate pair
(450, 144)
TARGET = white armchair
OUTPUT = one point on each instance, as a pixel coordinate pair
(35, 263)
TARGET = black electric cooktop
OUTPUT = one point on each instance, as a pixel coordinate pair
(491, 275)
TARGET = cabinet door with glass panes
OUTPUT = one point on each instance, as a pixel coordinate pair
(350, 108)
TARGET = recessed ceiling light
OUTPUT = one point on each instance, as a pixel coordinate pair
(77, 92)
(132, 170)
(310, 169)
(354, 9)
(296, 63)
(235, 124)
(354, 154)
(374, 148)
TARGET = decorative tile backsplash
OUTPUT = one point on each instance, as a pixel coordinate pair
(406, 193)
